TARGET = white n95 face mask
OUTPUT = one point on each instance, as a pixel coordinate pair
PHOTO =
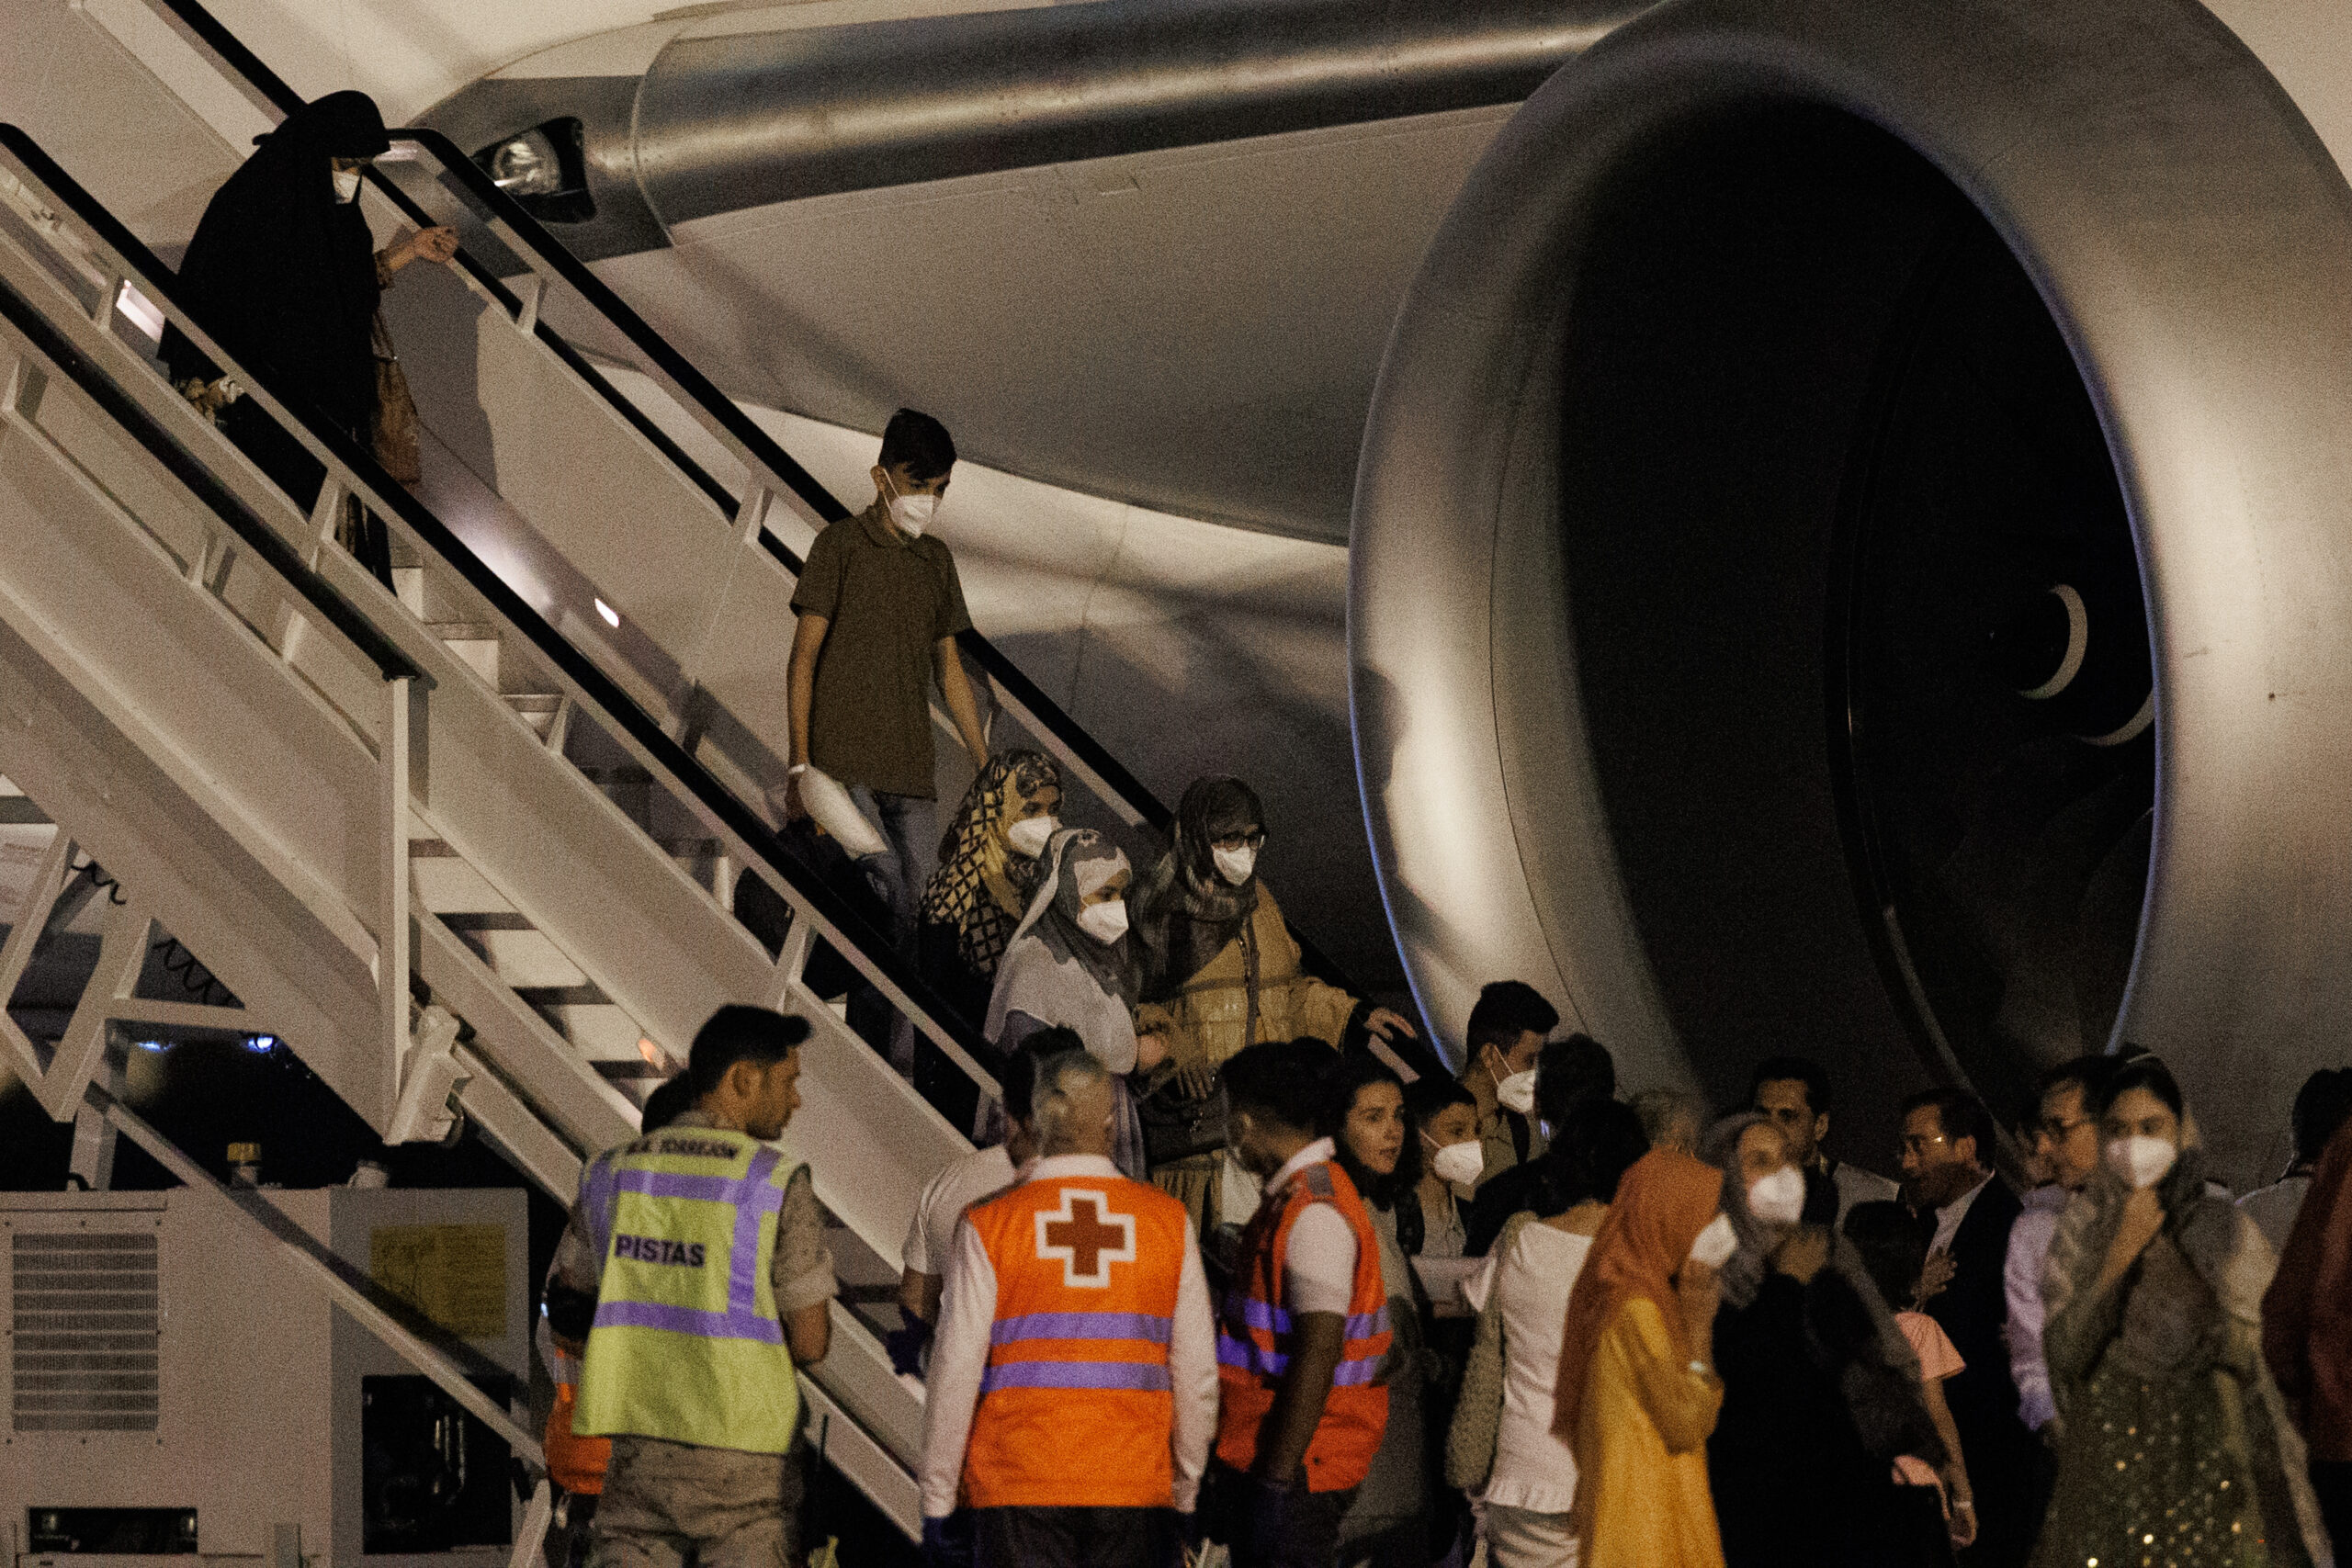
(1234, 865)
(2139, 1161)
(346, 185)
(1777, 1199)
(1715, 1244)
(1106, 923)
(912, 514)
(1461, 1164)
(1030, 835)
(1517, 1093)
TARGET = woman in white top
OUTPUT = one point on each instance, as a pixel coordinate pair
(1522, 1299)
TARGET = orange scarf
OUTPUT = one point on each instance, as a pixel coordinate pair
(1662, 1204)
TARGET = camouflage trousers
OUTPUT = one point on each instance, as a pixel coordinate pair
(671, 1504)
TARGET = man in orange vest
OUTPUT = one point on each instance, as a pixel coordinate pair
(1073, 1380)
(1304, 1328)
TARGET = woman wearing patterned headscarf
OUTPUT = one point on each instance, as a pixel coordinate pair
(1071, 965)
(989, 865)
(1222, 971)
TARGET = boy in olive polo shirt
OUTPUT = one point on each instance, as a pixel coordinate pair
(880, 607)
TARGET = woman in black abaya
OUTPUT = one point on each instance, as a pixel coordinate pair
(286, 277)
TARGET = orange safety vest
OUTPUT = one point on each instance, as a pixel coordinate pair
(575, 1463)
(1254, 1331)
(1076, 1408)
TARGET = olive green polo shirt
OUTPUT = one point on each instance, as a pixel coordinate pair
(888, 601)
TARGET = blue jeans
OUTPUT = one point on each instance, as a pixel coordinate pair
(899, 874)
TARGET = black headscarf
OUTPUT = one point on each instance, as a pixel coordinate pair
(282, 275)
(1188, 912)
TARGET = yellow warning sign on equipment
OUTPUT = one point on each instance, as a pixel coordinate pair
(454, 1274)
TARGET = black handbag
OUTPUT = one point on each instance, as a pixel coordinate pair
(1176, 1126)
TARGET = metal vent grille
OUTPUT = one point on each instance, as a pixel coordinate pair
(88, 1333)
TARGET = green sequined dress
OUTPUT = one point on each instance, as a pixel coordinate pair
(2170, 1456)
(2155, 1475)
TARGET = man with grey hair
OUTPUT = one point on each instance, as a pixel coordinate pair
(1671, 1119)
(1073, 1385)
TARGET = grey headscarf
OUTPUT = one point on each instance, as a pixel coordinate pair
(1055, 972)
(2192, 1304)
(1744, 1272)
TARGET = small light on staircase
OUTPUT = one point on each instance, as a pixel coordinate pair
(612, 616)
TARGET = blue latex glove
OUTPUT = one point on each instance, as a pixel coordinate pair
(948, 1543)
(906, 1346)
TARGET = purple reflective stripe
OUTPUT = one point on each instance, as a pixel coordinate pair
(743, 1259)
(1264, 1317)
(1149, 1377)
(1080, 1326)
(745, 1191)
(596, 1194)
(689, 1320)
(1241, 1353)
(1268, 1318)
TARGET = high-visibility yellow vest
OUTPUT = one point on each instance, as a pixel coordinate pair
(686, 1344)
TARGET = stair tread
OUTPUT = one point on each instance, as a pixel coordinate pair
(630, 1070)
(464, 631)
(564, 996)
(485, 920)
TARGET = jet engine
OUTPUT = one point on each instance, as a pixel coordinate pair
(1850, 556)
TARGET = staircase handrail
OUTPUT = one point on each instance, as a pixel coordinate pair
(771, 467)
(850, 931)
(323, 596)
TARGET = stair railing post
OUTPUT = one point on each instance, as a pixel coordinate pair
(403, 706)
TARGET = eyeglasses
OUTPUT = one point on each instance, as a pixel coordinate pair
(1252, 840)
(2055, 1128)
(1921, 1142)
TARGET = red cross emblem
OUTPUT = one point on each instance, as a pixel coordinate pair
(1086, 1238)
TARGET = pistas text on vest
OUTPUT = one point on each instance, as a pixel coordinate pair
(653, 1249)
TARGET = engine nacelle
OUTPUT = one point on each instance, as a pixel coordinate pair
(1767, 379)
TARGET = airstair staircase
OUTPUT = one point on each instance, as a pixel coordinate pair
(470, 846)
(326, 795)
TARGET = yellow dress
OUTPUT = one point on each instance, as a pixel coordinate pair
(1641, 1447)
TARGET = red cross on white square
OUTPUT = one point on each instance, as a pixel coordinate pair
(1086, 1238)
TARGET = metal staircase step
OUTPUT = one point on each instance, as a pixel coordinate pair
(475, 642)
(600, 1032)
(448, 883)
(517, 953)
(408, 586)
(539, 710)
